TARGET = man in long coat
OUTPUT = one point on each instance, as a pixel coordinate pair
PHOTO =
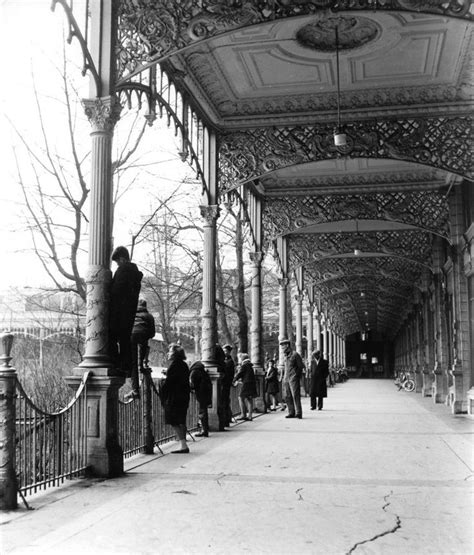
(124, 292)
(291, 380)
(319, 371)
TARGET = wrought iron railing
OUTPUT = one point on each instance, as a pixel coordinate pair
(50, 447)
(142, 421)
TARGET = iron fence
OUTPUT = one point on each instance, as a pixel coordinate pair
(142, 421)
(50, 447)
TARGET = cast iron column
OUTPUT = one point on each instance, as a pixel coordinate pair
(256, 343)
(8, 483)
(299, 324)
(283, 283)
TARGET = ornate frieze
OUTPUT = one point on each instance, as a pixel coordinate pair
(202, 64)
(442, 143)
(151, 30)
(307, 248)
(426, 210)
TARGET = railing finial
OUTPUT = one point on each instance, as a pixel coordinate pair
(6, 344)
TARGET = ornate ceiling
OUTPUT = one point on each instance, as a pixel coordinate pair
(263, 74)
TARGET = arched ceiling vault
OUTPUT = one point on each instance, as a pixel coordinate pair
(263, 75)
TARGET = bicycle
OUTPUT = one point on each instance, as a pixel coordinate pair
(405, 381)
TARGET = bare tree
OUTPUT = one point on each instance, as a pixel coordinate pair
(54, 182)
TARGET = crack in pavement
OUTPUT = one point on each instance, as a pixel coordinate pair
(300, 497)
(397, 526)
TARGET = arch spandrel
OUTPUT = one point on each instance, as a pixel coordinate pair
(443, 143)
(427, 210)
(366, 268)
(411, 245)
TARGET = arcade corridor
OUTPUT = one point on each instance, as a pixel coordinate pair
(377, 471)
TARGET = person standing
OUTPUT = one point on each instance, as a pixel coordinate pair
(143, 330)
(201, 384)
(248, 392)
(124, 292)
(228, 378)
(319, 373)
(219, 357)
(292, 380)
(272, 386)
(174, 394)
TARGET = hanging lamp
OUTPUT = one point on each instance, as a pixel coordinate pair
(340, 138)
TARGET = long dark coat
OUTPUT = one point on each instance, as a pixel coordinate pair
(271, 380)
(201, 383)
(319, 371)
(247, 375)
(124, 292)
(174, 393)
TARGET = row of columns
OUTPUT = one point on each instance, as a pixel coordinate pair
(436, 340)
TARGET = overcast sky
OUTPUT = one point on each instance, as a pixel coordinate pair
(31, 43)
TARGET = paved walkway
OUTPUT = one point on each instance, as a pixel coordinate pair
(376, 472)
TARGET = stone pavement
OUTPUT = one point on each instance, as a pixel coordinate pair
(377, 471)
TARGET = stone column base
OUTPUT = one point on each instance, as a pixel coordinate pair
(259, 402)
(215, 375)
(427, 386)
(470, 402)
(104, 453)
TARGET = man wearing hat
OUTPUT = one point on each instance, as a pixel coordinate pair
(293, 371)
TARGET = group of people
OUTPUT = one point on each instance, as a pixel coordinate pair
(293, 369)
(176, 387)
(131, 326)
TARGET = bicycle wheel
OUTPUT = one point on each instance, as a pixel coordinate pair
(409, 385)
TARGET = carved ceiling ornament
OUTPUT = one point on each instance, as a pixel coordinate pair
(426, 210)
(442, 143)
(353, 32)
(150, 30)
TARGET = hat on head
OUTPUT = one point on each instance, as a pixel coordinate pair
(285, 342)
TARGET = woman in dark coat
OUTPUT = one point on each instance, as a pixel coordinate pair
(174, 394)
(248, 392)
(319, 373)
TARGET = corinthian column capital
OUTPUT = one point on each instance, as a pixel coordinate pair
(102, 113)
(210, 213)
(256, 257)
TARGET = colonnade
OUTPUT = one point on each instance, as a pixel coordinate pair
(436, 341)
(441, 314)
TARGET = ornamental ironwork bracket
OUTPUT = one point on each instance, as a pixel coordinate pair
(75, 32)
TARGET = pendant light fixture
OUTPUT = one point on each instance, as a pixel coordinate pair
(357, 252)
(340, 138)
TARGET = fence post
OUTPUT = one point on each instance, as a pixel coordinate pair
(8, 482)
(147, 412)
